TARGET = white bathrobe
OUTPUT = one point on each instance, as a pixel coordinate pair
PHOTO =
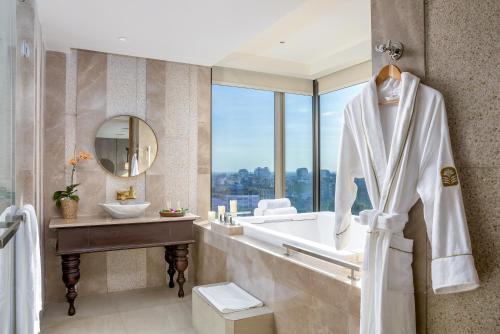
(403, 151)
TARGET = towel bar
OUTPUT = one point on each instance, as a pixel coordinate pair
(11, 225)
(346, 264)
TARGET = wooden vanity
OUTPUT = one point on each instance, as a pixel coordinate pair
(95, 234)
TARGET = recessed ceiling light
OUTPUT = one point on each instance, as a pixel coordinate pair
(122, 39)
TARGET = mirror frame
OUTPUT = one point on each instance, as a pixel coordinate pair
(99, 160)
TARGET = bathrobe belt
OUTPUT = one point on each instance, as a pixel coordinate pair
(378, 220)
(387, 225)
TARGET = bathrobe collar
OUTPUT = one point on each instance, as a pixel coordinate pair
(385, 164)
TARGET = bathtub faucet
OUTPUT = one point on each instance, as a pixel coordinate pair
(228, 218)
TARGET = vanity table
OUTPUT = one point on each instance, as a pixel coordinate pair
(95, 234)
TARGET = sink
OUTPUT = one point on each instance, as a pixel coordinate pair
(125, 209)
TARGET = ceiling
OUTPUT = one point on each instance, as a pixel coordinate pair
(320, 36)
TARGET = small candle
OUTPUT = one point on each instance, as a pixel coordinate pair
(221, 209)
(211, 216)
(233, 206)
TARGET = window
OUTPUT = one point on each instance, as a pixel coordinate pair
(331, 115)
(299, 151)
(244, 137)
(242, 146)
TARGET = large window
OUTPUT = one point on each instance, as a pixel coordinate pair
(242, 146)
(331, 115)
(246, 143)
(299, 151)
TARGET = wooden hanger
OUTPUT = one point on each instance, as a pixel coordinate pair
(386, 72)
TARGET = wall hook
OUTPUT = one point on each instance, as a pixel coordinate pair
(394, 49)
(25, 49)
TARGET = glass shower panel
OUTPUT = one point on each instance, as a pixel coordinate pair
(7, 54)
(7, 94)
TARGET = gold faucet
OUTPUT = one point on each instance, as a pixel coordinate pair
(127, 194)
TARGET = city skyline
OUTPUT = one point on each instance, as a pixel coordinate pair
(248, 187)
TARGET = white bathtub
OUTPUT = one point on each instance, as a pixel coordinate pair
(311, 231)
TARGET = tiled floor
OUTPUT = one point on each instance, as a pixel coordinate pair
(145, 311)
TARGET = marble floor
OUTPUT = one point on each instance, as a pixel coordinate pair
(145, 311)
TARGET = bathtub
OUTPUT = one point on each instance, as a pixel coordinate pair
(313, 232)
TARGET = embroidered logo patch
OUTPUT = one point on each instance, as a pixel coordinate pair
(449, 176)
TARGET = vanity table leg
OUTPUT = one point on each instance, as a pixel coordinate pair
(181, 263)
(170, 259)
(71, 274)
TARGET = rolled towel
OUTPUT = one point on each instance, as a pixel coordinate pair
(280, 211)
(274, 203)
(258, 212)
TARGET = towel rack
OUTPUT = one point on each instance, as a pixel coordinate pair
(11, 225)
(346, 264)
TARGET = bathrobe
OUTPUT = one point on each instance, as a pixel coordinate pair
(403, 151)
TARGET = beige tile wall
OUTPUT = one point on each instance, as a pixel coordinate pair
(84, 88)
(54, 164)
(462, 62)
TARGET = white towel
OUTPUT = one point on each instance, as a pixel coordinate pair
(28, 273)
(274, 203)
(258, 212)
(134, 166)
(274, 212)
(229, 297)
(7, 280)
(280, 211)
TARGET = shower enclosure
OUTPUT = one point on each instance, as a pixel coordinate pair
(7, 120)
(7, 70)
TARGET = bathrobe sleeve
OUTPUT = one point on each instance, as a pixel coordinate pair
(452, 266)
(348, 167)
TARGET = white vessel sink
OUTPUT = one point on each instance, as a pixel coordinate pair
(125, 209)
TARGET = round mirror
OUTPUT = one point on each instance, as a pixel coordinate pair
(125, 146)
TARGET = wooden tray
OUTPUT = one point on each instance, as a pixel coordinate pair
(172, 214)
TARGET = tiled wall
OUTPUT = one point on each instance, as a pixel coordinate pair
(303, 300)
(84, 88)
(461, 61)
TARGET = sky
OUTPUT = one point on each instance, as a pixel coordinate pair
(331, 114)
(243, 128)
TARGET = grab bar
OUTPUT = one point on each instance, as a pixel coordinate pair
(11, 226)
(286, 219)
(346, 264)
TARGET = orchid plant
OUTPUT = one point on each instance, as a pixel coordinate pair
(70, 191)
